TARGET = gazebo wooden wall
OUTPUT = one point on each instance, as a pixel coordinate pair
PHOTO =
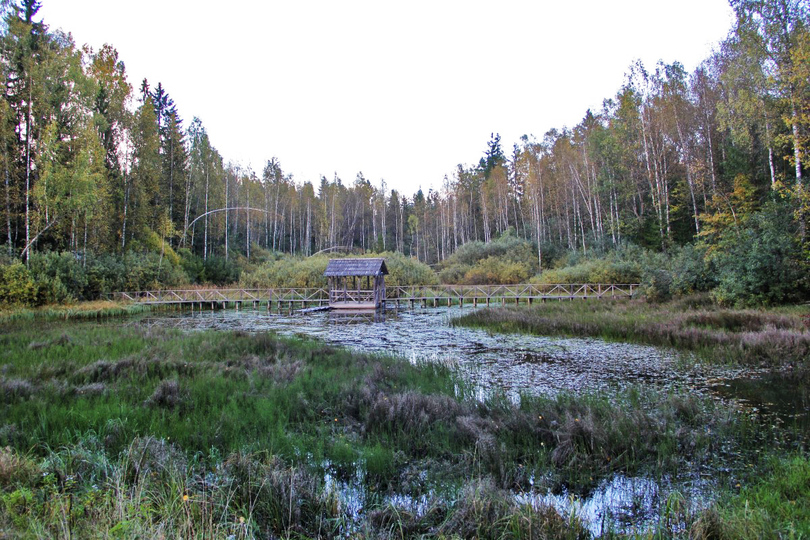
(356, 283)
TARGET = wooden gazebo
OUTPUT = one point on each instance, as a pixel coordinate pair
(348, 289)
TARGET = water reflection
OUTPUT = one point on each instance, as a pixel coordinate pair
(346, 316)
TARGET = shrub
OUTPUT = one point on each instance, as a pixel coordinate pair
(508, 259)
(762, 262)
(147, 271)
(407, 270)
(60, 277)
(17, 288)
(494, 271)
(691, 272)
(308, 272)
(288, 272)
(613, 270)
(106, 273)
(220, 271)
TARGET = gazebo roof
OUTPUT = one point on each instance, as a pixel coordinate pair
(356, 267)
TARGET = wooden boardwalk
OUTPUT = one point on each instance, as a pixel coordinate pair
(396, 296)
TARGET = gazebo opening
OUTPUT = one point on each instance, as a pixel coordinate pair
(356, 283)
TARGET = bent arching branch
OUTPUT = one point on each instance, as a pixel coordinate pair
(31, 243)
(234, 208)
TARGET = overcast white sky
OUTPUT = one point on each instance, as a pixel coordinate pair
(400, 91)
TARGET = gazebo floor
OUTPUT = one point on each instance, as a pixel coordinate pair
(353, 305)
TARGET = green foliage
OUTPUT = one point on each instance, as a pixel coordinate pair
(403, 270)
(494, 271)
(60, 277)
(214, 270)
(153, 242)
(508, 259)
(288, 272)
(17, 288)
(761, 261)
(608, 270)
(147, 271)
(308, 272)
(681, 271)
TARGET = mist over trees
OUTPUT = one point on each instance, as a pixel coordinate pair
(91, 165)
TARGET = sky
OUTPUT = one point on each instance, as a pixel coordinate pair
(400, 91)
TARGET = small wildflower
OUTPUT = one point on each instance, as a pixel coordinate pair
(335, 419)
(241, 519)
(576, 419)
(185, 497)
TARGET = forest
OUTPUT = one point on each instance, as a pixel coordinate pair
(686, 181)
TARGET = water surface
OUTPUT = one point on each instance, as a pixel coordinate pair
(514, 364)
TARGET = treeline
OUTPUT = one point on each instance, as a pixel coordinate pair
(92, 166)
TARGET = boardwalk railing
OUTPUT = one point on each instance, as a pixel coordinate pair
(423, 294)
(190, 296)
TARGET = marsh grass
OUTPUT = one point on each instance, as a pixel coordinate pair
(748, 337)
(82, 311)
(775, 506)
(137, 431)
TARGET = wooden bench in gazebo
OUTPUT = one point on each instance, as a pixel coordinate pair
(356, 283)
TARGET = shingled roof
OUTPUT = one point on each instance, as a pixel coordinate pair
(356, 267)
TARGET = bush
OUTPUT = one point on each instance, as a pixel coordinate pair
(494, 271)
(288, 272)
(308, 272)
(614, 269)
(691, 272)
(17, 288)
(60, 277)
(405, 271)
(106, 273)
(761, 262)
(508, 259)
(147, 271)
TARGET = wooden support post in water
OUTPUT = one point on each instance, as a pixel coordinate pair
(475, 301)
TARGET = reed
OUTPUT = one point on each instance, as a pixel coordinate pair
(83, 311)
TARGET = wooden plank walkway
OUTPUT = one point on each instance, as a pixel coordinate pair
(407, 296)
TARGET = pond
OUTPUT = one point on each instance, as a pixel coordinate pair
(515, 365)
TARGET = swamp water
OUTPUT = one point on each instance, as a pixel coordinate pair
(515, 365)
(512, 364)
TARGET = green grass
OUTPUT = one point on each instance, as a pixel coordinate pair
(776, 506)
